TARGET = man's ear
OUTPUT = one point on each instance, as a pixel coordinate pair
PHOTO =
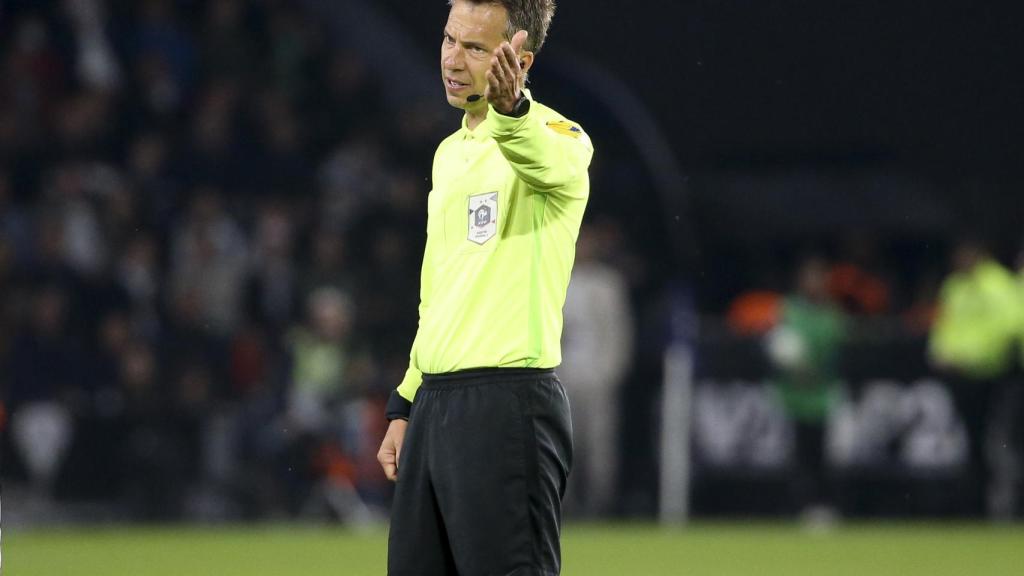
(526, 60)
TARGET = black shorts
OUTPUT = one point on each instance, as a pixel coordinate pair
(481, 476)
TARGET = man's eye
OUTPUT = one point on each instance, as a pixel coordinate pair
(448, 39)
(478, 50)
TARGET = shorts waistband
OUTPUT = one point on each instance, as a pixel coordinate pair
(483, 375)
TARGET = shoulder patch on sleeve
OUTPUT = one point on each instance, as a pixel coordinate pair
(565, 128)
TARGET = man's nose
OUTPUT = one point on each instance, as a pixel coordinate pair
(453, 58)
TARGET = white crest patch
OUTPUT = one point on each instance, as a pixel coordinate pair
(483, 217)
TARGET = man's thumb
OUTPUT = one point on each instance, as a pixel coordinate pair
(519, 39)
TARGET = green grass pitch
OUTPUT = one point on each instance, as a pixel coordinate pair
(589, 550)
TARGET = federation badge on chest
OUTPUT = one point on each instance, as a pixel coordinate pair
(483, 217)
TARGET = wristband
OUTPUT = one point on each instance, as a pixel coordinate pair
(398, 408)
(521, 107)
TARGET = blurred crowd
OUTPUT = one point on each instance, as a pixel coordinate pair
(210, 241)
(209, 254)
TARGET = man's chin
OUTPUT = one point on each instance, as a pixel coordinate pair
(457, 102)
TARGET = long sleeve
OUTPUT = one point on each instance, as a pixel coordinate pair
(549, 153)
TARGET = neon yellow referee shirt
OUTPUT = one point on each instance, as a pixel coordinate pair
(502, 220)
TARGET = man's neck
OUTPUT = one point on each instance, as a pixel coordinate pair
(475, 117)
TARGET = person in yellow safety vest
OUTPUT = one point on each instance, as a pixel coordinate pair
(979, 316)
(1020, 299)
(974, 341)
(1017, 427)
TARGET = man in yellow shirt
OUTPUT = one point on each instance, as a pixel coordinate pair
(974, 340)
(480, 435)
(1020, 299)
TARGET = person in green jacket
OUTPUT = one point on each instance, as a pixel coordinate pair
(974, 341)
(804, 348)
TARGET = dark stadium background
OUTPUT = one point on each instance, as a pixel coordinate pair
(790, 82)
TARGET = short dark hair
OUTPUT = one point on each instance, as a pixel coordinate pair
(534, 16)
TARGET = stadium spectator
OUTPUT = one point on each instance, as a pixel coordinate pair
(138, 274)
(854, 283)
(213, 155)
(1017, 421)
(754, 312)
(320, 359)
(96, 65)
(323, 406)
(8, 330)
(14, 226)
(973, 339)
(47, 369)
(271, 292)
(85, 246)
(328, 265)
(226, 48)
(804, 348)
(7, 310)
(344, 101)
(148, 169)
(209, 260)
(597, 342)
(151, 454)
(280, 165)
(1020, 283)
(166, 50)
(388, 293)
(978, 315)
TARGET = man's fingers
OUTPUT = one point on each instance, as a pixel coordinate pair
(497, 69)
(518, 40)
(391, 449)
(388, 463)
(493, 87)
(508, 74)
(511, 58)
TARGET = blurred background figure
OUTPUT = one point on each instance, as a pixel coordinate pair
(597, 343)
(209, 263)
(46, 369)
(975, 339)
(272, 291)
(854, 282)
(320, 360)
(1014, 491)
(805, 348)
(324, 412)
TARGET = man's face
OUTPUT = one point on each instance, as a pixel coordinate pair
(472, 33)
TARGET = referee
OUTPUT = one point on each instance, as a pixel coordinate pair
(480, 440)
